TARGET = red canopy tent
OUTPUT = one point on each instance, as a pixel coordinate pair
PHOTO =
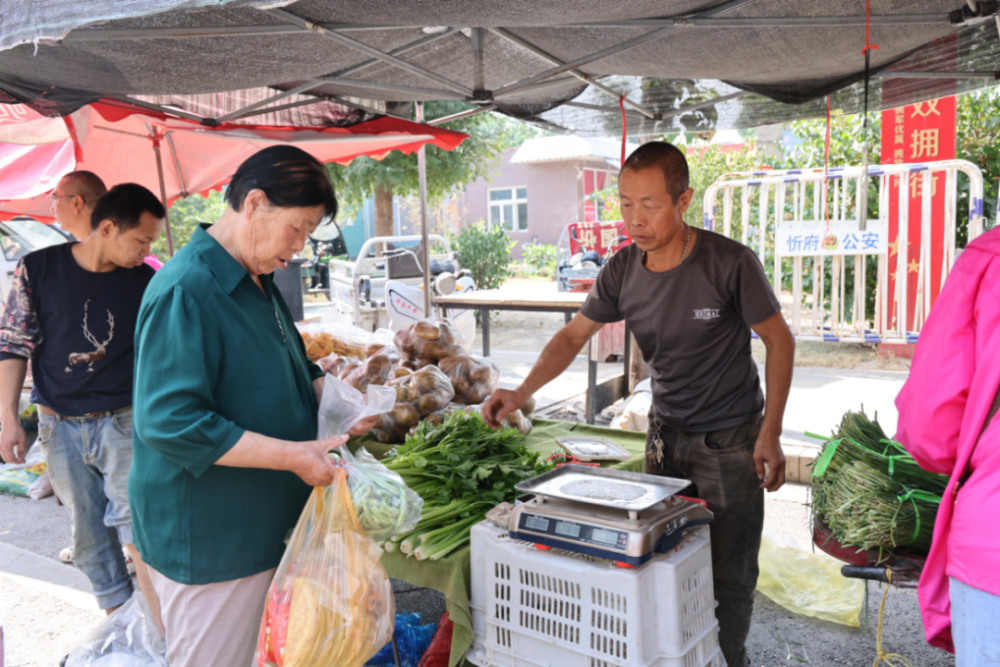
(174, 156)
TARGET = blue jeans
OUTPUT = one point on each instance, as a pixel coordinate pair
(974, 615)
(89, 460)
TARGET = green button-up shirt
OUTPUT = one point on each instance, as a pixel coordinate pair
(215, 357)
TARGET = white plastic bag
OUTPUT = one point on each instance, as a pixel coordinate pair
(633, 413)
(40, 488)
(343, 406)
(128, 638)
(385, 505)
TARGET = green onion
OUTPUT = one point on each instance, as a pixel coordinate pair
(870, 491)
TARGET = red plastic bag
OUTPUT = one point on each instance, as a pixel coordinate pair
(439, 652)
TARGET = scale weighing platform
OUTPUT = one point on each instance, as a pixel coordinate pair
(625, 517)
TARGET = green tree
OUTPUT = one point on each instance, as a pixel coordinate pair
(396, 174)
(706, 164)
(978, 130)
(485, 250)
(185, 215)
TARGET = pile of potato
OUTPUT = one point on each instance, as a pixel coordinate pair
(427, 365)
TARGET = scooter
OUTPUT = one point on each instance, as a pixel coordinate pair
(404, 302)
(578, 272)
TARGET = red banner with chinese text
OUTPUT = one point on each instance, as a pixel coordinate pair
(597, 236)
(923, 132)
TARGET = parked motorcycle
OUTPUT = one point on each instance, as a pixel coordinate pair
(325, 243)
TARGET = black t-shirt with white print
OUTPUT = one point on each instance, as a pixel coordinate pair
(77, 327)
(692, 324)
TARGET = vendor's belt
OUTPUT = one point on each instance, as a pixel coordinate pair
(81, 418)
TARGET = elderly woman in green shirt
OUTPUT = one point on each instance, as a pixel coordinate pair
(225, 412)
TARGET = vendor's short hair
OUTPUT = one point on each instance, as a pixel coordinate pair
(85, 184)
(289, 177)
(664, 156)
(124, 205)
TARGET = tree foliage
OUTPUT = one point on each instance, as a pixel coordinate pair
(485, 251)
(979, 143)
(185, 215)
(706, 164)
(477, 157)
(540, 256)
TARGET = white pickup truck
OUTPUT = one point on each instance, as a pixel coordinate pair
(386, 291)
(18, 237)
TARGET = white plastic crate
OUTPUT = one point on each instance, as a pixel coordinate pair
(533, 608)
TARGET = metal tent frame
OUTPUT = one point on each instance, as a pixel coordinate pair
(968, 13)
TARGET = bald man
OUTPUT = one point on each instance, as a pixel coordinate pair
(73, 201)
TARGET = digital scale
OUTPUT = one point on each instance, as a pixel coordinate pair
(625, 517)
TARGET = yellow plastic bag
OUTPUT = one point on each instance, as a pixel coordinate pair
(809, 583)
(330, 604)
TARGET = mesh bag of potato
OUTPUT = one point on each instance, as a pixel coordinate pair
(330, 604)
(418, 394)
(323, 339)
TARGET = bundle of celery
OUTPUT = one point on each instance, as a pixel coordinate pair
(462, 469)
(871, 493)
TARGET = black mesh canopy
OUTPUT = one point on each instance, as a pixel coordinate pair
(689, 64)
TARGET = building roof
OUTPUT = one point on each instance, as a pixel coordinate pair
(571, 147)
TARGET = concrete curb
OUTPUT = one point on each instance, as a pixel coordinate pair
(59, 580)
(799, 459)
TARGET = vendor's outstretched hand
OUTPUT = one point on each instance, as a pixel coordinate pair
(501, 403)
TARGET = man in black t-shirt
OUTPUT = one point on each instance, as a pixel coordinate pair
(72, 311)
(691, 298)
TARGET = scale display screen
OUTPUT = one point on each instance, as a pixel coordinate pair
(537, 523)
(605, 536)
(570, 531)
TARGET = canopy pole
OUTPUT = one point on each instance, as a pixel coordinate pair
(863, 181)
(422, 176)
(177, 164)
(163, 190)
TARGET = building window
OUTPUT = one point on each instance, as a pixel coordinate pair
(595, 181)
(509, 208)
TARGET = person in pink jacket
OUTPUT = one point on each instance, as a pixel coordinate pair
(945, 421)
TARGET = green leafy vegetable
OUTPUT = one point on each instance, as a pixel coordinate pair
(462, 469)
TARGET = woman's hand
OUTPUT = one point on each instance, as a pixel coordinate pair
(365, 425)
(311, 460)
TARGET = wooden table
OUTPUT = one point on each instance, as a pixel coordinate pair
(544, 298)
